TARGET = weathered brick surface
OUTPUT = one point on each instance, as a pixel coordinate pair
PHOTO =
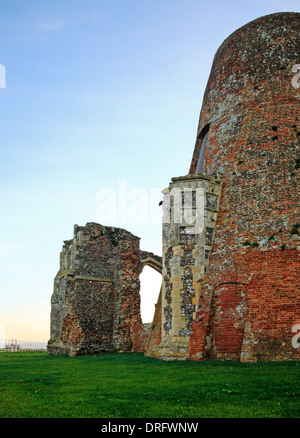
(250, 297)
(95, 306)
(231, 291)
(187, 240)
(154, 338)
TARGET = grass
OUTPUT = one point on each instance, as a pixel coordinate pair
(34, 385)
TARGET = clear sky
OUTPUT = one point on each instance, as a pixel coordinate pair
(100, 94)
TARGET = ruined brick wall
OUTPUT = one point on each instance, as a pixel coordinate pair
(154, 338)
(95, 306)
(250, 297)
(186, 247)
(231, 291)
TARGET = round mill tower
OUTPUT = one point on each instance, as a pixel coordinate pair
(243, 298)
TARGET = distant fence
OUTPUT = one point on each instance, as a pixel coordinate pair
(15, 345)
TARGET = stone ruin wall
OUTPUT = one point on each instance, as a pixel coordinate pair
(251, 292)
(232, 291)
(95, 306)
(186, 249)
(247, 137)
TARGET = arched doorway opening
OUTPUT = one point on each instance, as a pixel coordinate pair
(149, 291)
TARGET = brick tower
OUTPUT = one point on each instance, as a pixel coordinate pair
(244, 269)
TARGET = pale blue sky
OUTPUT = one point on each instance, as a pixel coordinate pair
(97, 92)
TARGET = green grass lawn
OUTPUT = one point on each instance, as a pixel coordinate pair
(34, 385)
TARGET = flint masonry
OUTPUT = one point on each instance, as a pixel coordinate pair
(232, 290)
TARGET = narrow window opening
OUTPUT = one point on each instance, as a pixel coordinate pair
(149, 292)
(203, 138)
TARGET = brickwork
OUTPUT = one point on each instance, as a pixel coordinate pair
(245, 299)
(230, 286)
(191, 203)
(154, 338)
(95, 306)
(250, 296)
